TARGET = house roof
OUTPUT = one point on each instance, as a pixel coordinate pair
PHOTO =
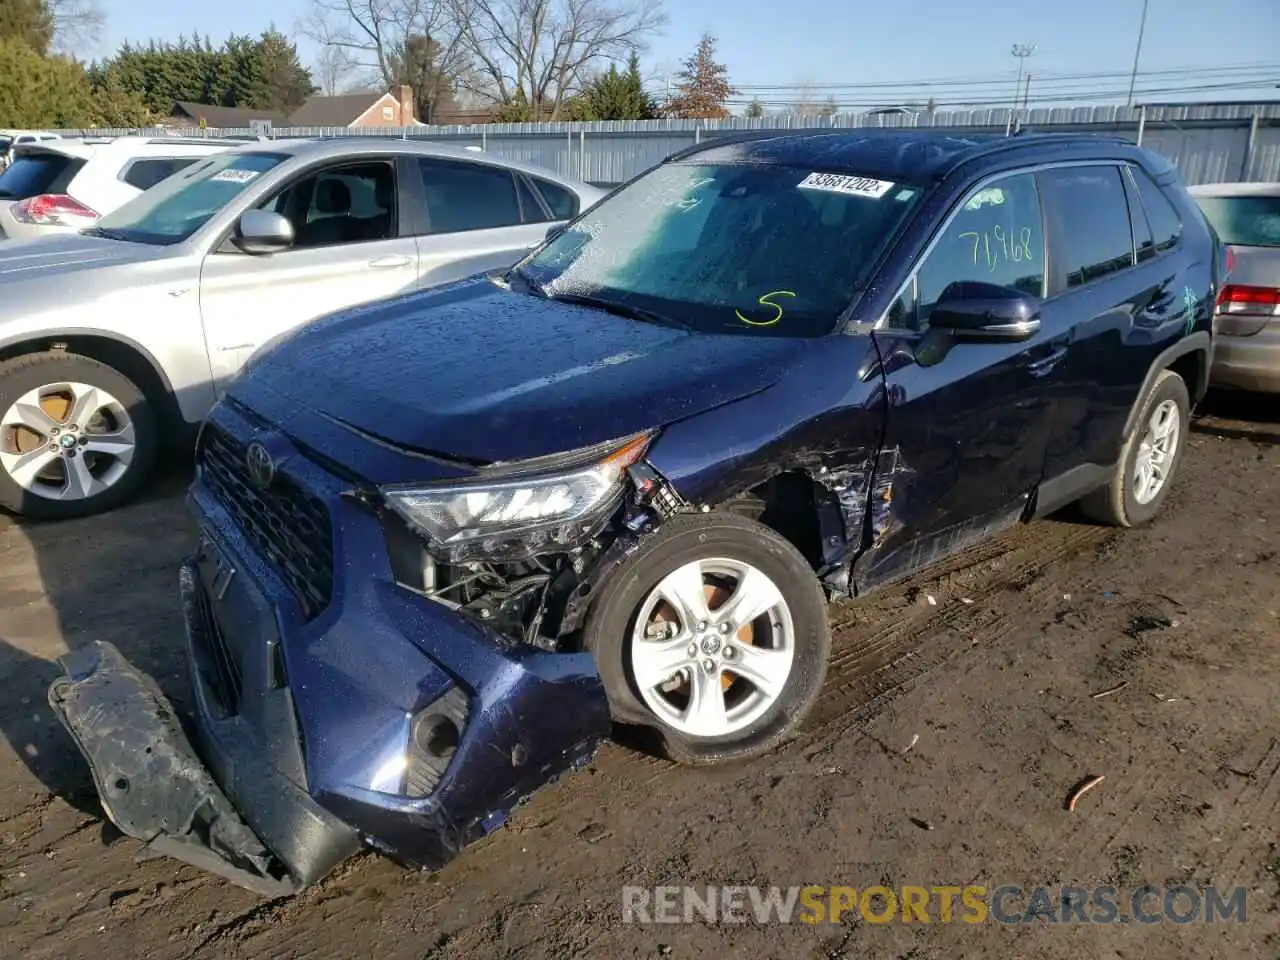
(334, 111)
(215, 116)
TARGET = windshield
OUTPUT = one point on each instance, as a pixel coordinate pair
(178, 206)
(1244, 221)
(729, 248)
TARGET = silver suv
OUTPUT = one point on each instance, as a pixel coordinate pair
(121, 337)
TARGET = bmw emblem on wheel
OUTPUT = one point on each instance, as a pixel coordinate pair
(262, 469)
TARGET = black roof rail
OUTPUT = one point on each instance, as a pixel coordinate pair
(1022, 138)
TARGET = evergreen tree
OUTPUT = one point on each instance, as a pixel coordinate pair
(755, 109)
(615, 95)
(287, 82)
(41, 92)
(29, 21)
(704, 84)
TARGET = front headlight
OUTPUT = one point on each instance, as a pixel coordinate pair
(512, 519)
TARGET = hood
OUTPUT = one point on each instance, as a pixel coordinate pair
(61, 254)
(476, 372)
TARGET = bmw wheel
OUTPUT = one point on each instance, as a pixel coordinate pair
(77, 437)
(715, 634)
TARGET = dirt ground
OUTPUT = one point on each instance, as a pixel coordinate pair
(998, 691)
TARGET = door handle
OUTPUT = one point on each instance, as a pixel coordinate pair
(390, 262)
(1045, 365)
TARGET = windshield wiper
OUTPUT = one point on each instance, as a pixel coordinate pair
(105, 232)
(530, 285)
(619, 309)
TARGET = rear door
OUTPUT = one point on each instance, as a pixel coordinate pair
(1118, 278)
(475, 218)
(351, 247)
(967, 424)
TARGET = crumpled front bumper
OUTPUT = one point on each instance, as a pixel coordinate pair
(155, 787)
(302, 724)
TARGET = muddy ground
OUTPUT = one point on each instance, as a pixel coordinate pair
(998, 691)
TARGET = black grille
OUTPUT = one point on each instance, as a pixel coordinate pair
(226, 677)
(287, 525)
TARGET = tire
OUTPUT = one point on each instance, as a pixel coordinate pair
(115, 452)
(1119, 503)
(724, 546)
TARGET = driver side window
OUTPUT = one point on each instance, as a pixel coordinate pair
(352, 203)
(996, 237)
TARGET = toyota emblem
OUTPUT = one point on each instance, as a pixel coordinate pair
(262, 469)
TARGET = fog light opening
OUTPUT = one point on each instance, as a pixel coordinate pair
(437, 736)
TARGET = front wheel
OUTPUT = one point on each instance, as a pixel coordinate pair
(715, 634)
(77, 437)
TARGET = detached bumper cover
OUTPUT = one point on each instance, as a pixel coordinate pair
(151, 782)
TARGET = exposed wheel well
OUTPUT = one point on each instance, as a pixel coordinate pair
(787, 504)
(121, 356)
(1191, 367)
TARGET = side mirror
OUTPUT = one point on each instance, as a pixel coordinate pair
(263, 231)
(983, 311)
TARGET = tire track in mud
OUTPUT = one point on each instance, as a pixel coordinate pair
(865, 673)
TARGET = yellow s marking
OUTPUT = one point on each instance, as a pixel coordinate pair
(766, 302)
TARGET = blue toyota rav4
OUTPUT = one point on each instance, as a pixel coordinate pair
(450, 538)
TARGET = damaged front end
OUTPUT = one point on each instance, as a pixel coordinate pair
(151, 781)
(356, 681)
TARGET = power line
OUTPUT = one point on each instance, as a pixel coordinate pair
(1002, 79)
(960, 101)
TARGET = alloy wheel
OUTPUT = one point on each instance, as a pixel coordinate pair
(1156, 451)
(713, 647)
(66, 441)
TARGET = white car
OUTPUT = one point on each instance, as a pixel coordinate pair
(63, 185)
(119, 339)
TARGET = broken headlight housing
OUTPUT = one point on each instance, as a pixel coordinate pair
(521, 511)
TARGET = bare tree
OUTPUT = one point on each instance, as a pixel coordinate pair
(336, 71)
(539, 52)
(77, 24)
(383, 36)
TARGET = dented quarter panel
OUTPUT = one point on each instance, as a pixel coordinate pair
(825, 419)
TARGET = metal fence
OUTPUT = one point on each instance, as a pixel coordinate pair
(1209, 143)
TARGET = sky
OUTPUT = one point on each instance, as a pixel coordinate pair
(783, 45)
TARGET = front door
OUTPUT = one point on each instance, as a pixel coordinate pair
(966, 425)
(349, 248)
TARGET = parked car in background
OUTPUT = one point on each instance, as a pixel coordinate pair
(64, 185)
(447, 538)
(1247, 218)
(11, 138)
(128, 331)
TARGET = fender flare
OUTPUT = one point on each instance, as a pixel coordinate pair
(61, 333)
(1197, 342)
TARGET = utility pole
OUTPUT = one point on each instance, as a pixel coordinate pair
(1021, 51)
(1137, 52)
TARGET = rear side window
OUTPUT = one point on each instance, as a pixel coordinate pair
(468, 196)
(145, 174)
(563, 203)
(1244, 221)
(1143, 245)
(533, 211)
(1091, 220)
(1166, 225)
(35, 173)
